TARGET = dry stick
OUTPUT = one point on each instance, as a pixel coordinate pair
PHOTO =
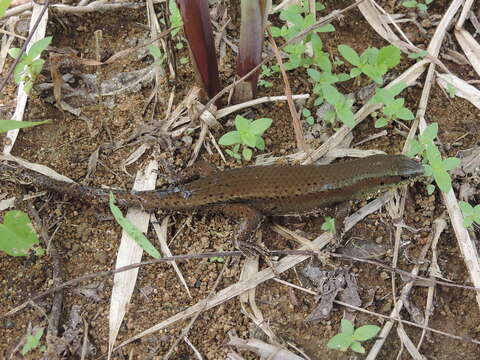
(439, 226)
(288, 92)
(24, 47)
(365, 311)
(179, 258)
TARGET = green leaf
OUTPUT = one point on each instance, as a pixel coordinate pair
(276, 31)
(230, 138)
(429, 134)
(248, 138)
(132, 230)
(355, 72)
(259, 126)
(349, 54)
(409, 4)
(365, 332)
(260, 145)
(451, 163)
(346, 325)
(17, 236)
(306, 112)
(329, 225)
(28, 86)
(381, 122)
(405, 114)
(247, 153)
(389, 56)
(396, 89)
(32, 341)
(357, 347)
(310, 120)
(242, 124)
(4, 4)
(36, 67)
(14, 52)
(39, 46)
(417, 55)
(184, 60)
(442, 179)
(155, 52)
(7, 125)
(314, 74)
(233, 154)
(422, 7)
(430, 189)
(326, 28)
(415, 148)
(340, 342)
(466, 208)
(428, 170)
(292, 16)
(346, 115)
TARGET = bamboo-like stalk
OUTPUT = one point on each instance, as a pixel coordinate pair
(252, 27)
(198, 31)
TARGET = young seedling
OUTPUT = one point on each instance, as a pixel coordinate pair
(452, 90)
(32, 342)
(422, 7)
(432, 159)
(248, 136)
(470, 214)
(299, 19)
(392, 108)
(308, 116)
(372, 62)
(266, 72)
(30, 64)
(17, 236)
(351, 337)
(329, 225)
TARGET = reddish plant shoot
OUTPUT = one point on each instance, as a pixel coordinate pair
(252, 27)
(198, 31)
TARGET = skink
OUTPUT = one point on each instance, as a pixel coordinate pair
(248, 194)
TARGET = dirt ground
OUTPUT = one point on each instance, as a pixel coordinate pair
(86, 237)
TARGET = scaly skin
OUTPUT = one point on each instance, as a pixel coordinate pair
(250, 193)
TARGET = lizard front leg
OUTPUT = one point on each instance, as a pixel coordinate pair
(249, 220)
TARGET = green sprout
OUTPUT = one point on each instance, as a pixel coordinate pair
(351, 337)
(470, 214)
(329, 225)
(17, 236)
(418, 55)
(266, 72)
(32, 342)
(308, 116)
(392, 108)
(432, 159)
(248, 135)
(451, 90)
(298, 19)
(422, 7)
(372, 62)
(30, 64)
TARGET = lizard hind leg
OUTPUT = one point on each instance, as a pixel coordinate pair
(249, 220)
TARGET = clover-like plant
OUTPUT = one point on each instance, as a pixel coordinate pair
(431, 157)
(372, 62)
(248, 136)
(351, 338)
(30, 64)
(392, 108)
